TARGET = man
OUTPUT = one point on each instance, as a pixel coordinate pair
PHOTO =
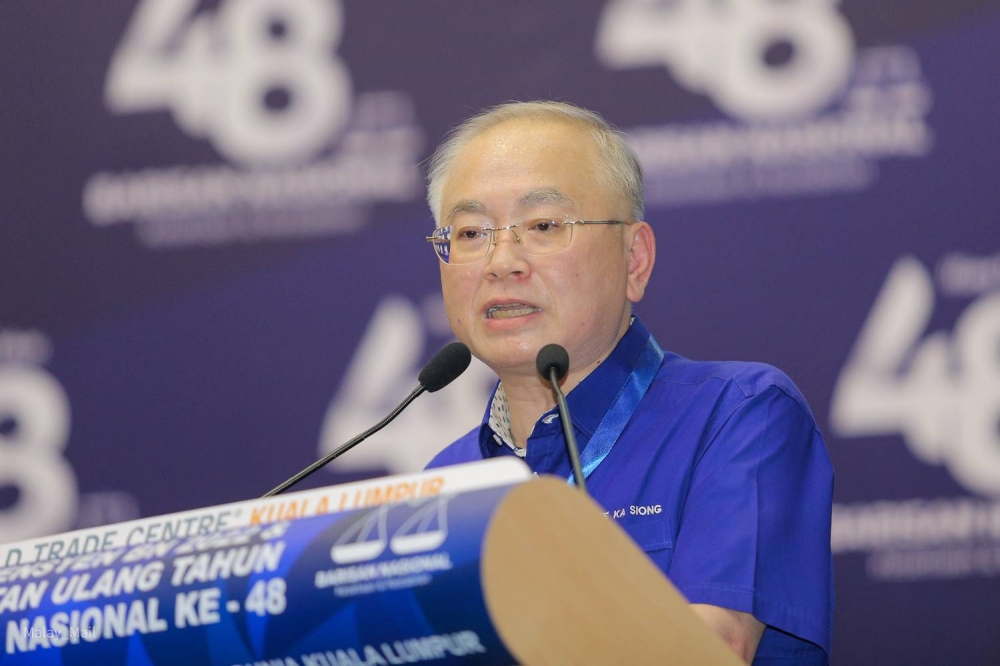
(716, 470)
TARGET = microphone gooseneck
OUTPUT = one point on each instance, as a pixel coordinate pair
(552, 363)
(444, 368)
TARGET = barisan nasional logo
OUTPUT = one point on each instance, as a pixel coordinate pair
(392, 547)
(940, 392)
(807, 112)
(424, 529)
(261, 82)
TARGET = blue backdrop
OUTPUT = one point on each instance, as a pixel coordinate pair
(212, 268)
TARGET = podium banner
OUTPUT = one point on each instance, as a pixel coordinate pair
(290, 506)
(391, 582)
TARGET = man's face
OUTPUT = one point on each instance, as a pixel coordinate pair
(508, 305)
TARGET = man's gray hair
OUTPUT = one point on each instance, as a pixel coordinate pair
(622, 170)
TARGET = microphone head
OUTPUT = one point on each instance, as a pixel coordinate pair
(445, 367)
(552, 357)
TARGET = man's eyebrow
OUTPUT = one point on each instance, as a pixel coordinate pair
(539, 197)
(465, 206)
(545, 195)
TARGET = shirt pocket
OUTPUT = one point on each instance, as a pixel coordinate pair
(653, 536)
(650, 533)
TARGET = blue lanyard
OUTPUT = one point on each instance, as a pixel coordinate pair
(621, 410)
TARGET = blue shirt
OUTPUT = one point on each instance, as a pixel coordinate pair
(721, 477)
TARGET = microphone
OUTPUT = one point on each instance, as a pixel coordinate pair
(451, 361)
(552, 357)
(444, 368)
(552, 363)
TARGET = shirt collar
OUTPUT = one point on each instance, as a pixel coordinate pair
(499, 421)
(588, 401)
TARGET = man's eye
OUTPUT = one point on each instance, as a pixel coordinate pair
(545, 226)
(469, 234)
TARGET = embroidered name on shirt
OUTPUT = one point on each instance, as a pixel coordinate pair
(635, 510)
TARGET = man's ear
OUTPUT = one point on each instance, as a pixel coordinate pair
(641, 257)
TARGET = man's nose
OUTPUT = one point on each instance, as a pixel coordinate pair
(505, 255)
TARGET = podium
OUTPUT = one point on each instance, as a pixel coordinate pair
(478, 563)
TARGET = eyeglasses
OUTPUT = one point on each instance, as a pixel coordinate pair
(468, 243)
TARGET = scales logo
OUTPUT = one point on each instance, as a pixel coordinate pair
(261, 82)
(810, 114)
(357, 551)
(425, 529)
(756, 59)
(942, 392)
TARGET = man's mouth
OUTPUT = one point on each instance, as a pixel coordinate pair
(510, 310)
